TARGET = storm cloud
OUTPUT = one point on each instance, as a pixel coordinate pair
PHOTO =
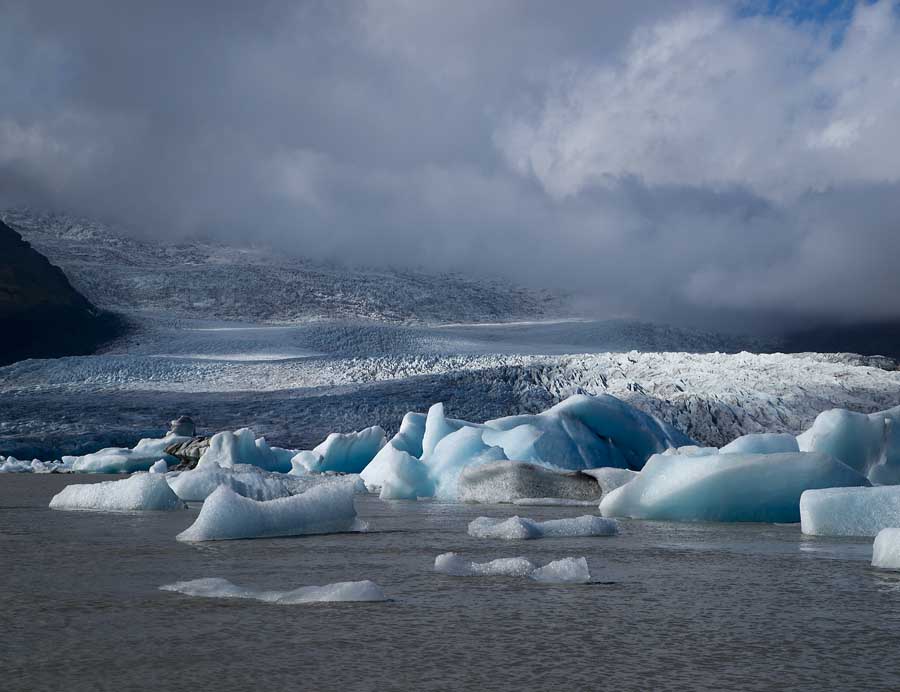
(657, 159)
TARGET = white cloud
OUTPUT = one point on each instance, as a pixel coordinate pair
(712, 99)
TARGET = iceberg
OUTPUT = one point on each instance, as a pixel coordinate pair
(139, 492)
(124, 460)
(509, 481)
(227, 449)
(341, 452)
(160, 467)
(868, 443)
(522, 528)
(225, 515)
(250, 481)
(727, 487)
(886, 549)
(582, 432)
(849, 511)
(214, 587)
(568, 570)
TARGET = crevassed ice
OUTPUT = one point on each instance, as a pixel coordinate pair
(215, 587)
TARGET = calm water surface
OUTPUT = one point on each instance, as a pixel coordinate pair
(675, 606)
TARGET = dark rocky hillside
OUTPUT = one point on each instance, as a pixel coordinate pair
(41, 315)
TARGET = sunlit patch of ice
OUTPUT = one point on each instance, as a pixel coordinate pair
(215, 587)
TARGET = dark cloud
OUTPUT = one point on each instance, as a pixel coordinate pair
(662, 159)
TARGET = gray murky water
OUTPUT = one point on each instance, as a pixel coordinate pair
(675, 606)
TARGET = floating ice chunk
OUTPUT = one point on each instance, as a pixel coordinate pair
(398, 475)
(886, 549)
(726, 487)
(508, 481)
(868, 443)
(142, 491)
(611, 478)
(342, 452)
(123, 460)
(222, 588)
(13, 465)
(762, 443)
(250, 481)
(456, 566)
(522, 528)
(241, 447)
(160, 467)
(226, 515)
(568, 570)
(849, 511)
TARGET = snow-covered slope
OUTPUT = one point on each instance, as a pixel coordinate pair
(196, 279)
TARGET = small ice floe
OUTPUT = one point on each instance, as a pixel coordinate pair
(568, 570)
(849, 511)
(886, 549)
(140, 492)
(343, 591)
(227, 515)
(521, 528)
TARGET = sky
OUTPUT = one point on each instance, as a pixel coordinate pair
(680, 160)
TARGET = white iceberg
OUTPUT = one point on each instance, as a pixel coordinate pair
(227, 449)
(886, 549)
(226, 515)
(727, 487)
(868, 443)
(160, 467)
(341, 452)
(139, 492)
(568, 570)
(123, 460)
(510, 481)
(849, 511)
(521, 528)
(214, 587)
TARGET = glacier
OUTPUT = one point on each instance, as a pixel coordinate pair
(225, 515)
(727, 487)
(522, 528)
(567, 570)
(886, 549)
(345, 591)
(138, 492)
(849, 511)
